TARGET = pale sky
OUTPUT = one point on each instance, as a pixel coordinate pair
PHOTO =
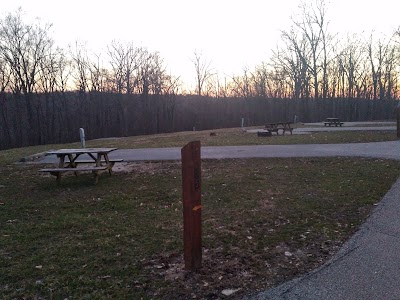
(232, 34)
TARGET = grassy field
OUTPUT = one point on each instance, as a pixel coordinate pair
(264, 221)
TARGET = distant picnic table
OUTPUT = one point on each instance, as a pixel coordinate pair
(275, 127)
(333, 121)
(97, 163)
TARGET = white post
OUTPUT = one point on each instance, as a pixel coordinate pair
(82, 137)
(242, 123)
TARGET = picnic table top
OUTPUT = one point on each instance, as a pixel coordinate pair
(332, 119)
(278, 123)
(80, 151)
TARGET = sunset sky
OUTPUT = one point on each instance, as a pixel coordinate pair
(230, 33)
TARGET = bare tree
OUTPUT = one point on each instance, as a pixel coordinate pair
(242, 85)
(64, 71)
(203, 71)
(80, 66)
(172, 85)
(383, 59)
(25, 49)
(27, 52)
(54, 72)
(149, 76)
(291, 64)
(99, 77)
(139, 70)
(117, 55)
(260, 78)
(5, 76)
(124, 60)
(313, 26)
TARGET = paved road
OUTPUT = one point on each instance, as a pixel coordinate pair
(334, 128)
(380, 150)
(366, 124)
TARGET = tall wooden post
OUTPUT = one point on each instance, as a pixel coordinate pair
(398, 120)
(191, 192)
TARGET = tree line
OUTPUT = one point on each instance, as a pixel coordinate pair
(310, 62)
(57, 117)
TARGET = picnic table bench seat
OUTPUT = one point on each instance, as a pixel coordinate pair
(58, 171)
(333, 121)
(89, 161)
(55, 171)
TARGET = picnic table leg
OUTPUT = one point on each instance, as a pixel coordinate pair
(60, 165)
(98, 164)
(109, 165)
(72, 163)
(61, 159)
(96, 177)
(58, 177)
(97, 161)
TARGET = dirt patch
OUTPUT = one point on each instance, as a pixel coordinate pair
(235, 270)
(144, 167)
(33, 157)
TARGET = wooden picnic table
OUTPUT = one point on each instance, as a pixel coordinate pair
(275, 127)
(97, 162)
(333, 121)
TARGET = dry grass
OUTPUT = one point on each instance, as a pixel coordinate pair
(264, 220)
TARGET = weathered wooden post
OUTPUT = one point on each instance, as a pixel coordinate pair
(398, 120)
(191, 192)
